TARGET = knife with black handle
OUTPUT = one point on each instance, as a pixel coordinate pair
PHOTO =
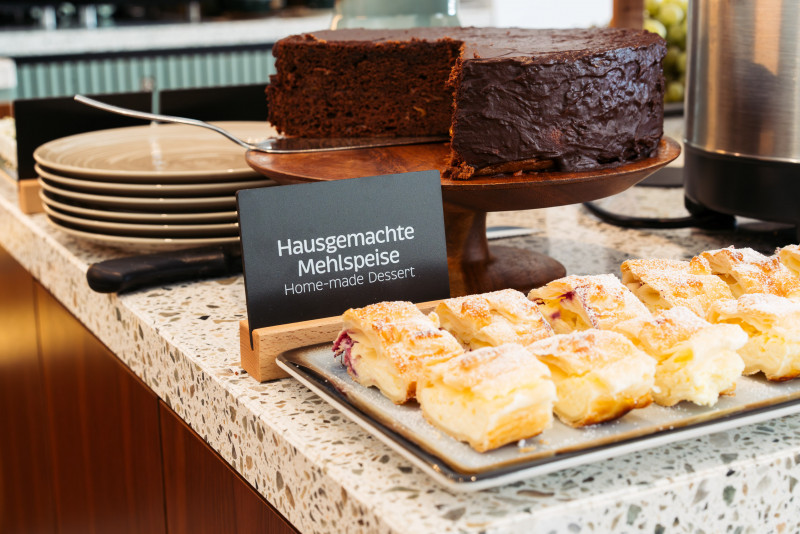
(135, 272)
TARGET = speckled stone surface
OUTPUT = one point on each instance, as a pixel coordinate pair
(324, 474)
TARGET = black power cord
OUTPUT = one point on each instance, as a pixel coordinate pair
(699, 217)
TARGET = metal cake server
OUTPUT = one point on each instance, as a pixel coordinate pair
(272, 145)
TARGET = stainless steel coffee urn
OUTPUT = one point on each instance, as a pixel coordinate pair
(742, 145)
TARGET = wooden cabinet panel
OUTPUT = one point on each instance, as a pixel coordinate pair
(26, 502)
(85, 446)
(103, 424)
(203, 494)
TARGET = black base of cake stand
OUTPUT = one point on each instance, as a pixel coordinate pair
(477, 267)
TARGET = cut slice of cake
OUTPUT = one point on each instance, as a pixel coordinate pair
(357, 83)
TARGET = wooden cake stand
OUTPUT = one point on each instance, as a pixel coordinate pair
(475, 267)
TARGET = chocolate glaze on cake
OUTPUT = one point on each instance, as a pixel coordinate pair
(513, 99)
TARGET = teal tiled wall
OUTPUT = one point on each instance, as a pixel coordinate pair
(93, 74)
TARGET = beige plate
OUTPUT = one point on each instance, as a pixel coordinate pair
(459, 467)
(142, 244)
(152, 190)
(136, 216)
(144, 230)
(180, 204)
(160, 153)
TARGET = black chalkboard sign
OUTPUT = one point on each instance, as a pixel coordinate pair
(314, 250)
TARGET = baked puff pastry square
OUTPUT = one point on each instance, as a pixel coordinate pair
(599, 375)
(773, 326)
(581, 302)
(387, 344)
(488, 397)
(664, 284)
(790, 257)
(492, 319)
(748, 271)
(697, 360)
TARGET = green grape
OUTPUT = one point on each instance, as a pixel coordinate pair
(674, 92)
(654, 26)
(670, 14)
(670, 60)
(676, 36)
(652, 6)
(680, 62)
(683, 4)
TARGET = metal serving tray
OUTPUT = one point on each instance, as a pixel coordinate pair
(460, 468)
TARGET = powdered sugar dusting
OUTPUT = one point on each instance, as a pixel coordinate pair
(792, 250)
(790, 257)
(764, 304)
(655, 264)
(486, 365)
(504, 301)
(754, 272)
(682, 317)
(583, 350)
(670, 276)
(669, 328)
(495, 317)
(393, 321)
(512, 301)
(602, 297)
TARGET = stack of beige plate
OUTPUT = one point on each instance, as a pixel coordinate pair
(153, 186)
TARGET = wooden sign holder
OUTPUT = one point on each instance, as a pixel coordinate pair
(28, 195)
(270, 341)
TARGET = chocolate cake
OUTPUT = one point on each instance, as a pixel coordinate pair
(512, 100)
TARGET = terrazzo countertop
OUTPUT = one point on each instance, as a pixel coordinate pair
(325, 474)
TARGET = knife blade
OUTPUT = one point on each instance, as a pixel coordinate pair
(503, 232)
(135, 272)
(294, 145)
